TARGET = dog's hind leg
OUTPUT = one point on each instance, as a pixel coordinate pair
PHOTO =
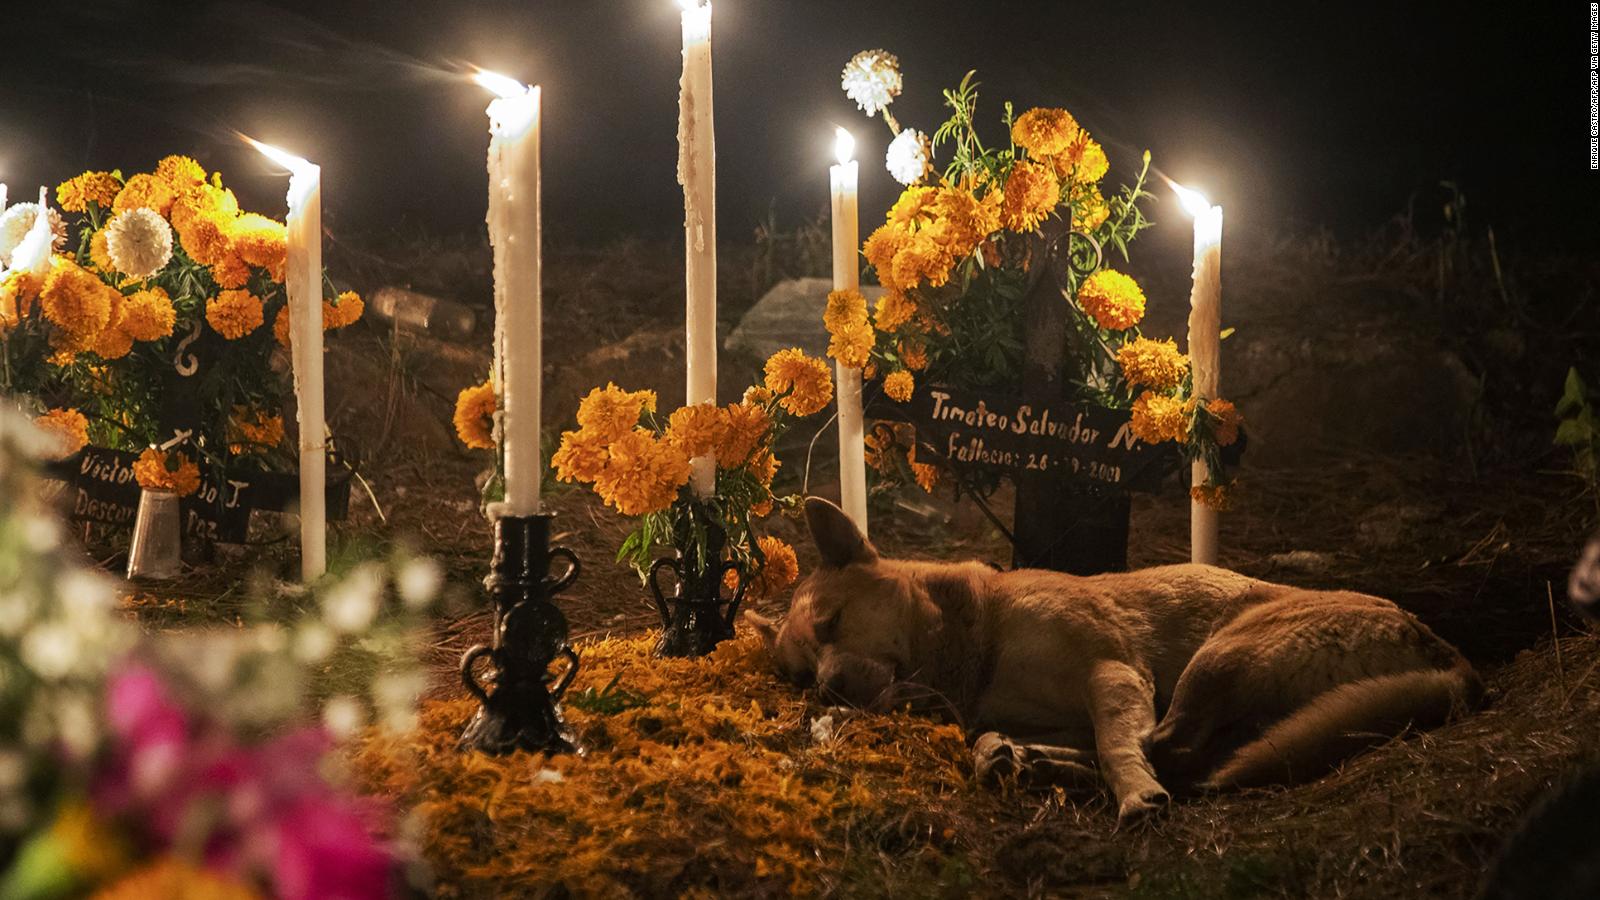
(997, 759)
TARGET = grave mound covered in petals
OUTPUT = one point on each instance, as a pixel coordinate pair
(706, 775)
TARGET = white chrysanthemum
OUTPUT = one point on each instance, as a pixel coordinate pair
(872, 80)
(139, 242)
(17, 221)
(907, 157)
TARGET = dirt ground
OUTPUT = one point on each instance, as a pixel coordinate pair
(1478, 548)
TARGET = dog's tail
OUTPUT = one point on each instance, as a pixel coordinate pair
(1346, 720)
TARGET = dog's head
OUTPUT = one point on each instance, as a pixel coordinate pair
(859, 624)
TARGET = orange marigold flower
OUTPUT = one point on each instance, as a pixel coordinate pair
(261, 242)
(474, 417)
(181, 173)
(697, 430)
(235, 314)
(881, 248)
(643, 474)
(252, 430)
(1084, 162)
(18, 290)
(611, 412)
(156, 470)
(1228, 421)
(1112, 299)
(802, 383)
(1216, 496)
(68, 427)
(148, 315)
(765, 466)
(230, 272)
(845, 307)
(1031, 193)
(280, 326)
(894, 309)
(346, 311)
(99, 253)
(913, 354)
(779, 569)
(1153, 364)
(99, 188)
(899, 385)
(581, 457)
(912, 208)
(112, 343)
(146, 192)
(76, 301)
(1089, 210)
(747, 427)
(1044, 131)
(852, 344)
(1158, 417)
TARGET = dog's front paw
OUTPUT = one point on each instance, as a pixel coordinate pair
(1142, 807)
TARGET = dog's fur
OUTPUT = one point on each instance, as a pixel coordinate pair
(1255, 683)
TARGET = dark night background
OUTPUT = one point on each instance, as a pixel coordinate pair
(1328, 116)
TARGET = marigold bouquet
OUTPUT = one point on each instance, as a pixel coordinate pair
(157, 308)
(638, 461)
(961, 249)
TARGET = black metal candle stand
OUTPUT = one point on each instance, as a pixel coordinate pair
(693, 619)
(521, 711)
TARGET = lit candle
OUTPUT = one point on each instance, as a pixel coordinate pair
(1205, 348)
(847, 276)
(697, 172)
(304, 283)
(515, 233)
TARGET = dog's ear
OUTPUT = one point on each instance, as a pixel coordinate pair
(838, 539)
(767, 628)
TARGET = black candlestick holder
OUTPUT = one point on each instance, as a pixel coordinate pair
(522, 710)
(693, 619)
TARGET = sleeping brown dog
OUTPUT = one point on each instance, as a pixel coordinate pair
(1256, 683)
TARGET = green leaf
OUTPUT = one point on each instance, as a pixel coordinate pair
(1575, 396)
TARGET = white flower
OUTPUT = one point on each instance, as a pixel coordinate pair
(343, 716)
(395, 695)
(313, 642)
(822, 729)
(872, 80)
(907, 157)
(418, 581)
(18, 220)
(51, 650)
(350, 606)
(139, 242)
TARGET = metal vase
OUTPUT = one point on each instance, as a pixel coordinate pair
(693, 619)
(155, 551)
(520, 709)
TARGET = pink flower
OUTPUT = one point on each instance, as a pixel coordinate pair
(325, 850)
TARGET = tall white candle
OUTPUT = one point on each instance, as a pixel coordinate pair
(842, 180)
(304, 283)
(1205, 349)
(697, 172)
(516, 233)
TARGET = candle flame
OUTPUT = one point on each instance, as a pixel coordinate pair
(282, 157)
(844, 145)
(501, 86)
(1194, 203)
(691, 4)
